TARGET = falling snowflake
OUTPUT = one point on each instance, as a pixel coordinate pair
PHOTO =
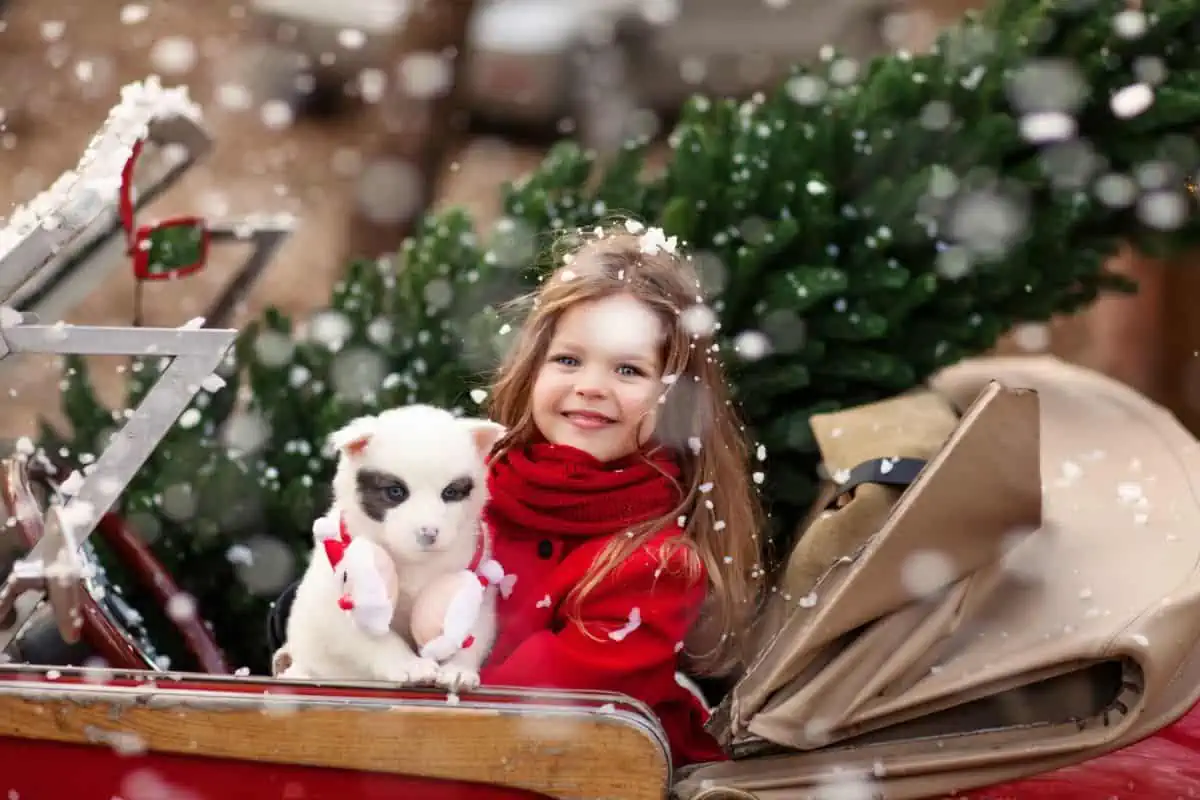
(635, 621)
(1048, 126)
(133, 13)
(181, 607)
(213, 383)
(174, 55)
(276, 114)
(1130, 24)
(752, 345)
(267, 566)
(925, 572)
(389, 191)
(844, 784)
(1132, 100)
(698, 320)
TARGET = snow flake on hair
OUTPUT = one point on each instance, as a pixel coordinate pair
(655, 240)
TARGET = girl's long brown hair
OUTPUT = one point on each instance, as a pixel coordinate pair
(696, 419)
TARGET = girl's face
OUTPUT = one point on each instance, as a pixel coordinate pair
(599, 386)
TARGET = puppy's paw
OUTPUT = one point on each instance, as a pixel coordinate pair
(408, 671)
(294, 673)
(456, 679)
(424, 670)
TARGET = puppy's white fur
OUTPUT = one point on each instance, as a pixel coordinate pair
(427, 532)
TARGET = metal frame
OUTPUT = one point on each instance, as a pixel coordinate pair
(87, 220)
(78, 217)
(99, 243)
(60, 579)
(195, 352)
(265, 235)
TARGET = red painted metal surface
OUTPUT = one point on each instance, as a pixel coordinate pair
(1165, 766)
(35, 770)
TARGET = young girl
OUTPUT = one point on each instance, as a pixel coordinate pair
(620, 496)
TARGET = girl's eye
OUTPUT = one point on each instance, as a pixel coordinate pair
(630, 371)
(566, 361)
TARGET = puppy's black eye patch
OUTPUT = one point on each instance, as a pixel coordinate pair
(379, 492)
(458, 490)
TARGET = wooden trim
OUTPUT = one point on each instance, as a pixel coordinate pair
(557, 750)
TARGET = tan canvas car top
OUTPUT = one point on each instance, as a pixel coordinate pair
(1025, 648)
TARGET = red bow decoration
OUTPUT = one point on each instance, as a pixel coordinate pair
(173, 248)
(335, 548)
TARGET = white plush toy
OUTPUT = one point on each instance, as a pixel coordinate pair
(443, 614)
(369, 583)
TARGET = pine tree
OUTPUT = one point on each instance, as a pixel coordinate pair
(862, 226)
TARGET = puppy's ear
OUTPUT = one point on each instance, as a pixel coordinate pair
(353, 438)
(485, 433)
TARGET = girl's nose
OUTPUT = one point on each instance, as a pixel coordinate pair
(589, 384)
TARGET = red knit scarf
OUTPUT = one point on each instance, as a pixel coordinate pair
(548, 490)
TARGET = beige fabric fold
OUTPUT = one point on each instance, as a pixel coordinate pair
(799, 691)
(914, 425)
(1029, 648)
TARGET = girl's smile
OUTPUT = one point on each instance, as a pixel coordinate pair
(588, 420)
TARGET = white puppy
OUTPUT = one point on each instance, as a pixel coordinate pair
(413, 480)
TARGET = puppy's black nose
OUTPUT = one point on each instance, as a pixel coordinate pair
(426, 537)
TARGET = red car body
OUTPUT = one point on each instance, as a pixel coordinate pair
(1164, 766)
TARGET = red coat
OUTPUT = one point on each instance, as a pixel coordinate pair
(538, 646)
